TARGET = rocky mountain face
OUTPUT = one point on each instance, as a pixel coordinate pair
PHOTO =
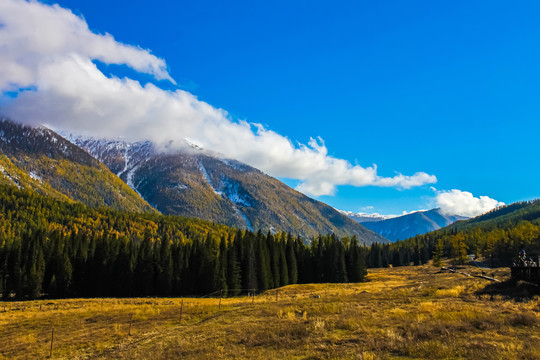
(197, 183)
(39, 159)
(406, 226)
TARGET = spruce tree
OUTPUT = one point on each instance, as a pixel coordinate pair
(438, 254)
(234, 276)
(292, 264)
(165, 277)
(283, 268)
(220, 276)
(264, 273)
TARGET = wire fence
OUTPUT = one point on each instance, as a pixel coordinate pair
(50, 329)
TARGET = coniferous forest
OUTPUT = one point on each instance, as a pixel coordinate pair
(60, 249)
(496, 236)
(65, 249)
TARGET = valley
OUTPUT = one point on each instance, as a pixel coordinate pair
(269, 180)
(407, 312)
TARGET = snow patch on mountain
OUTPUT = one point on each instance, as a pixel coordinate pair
(243, 216)
(126, 161)
(129, 178)
(208, 180)
(9, 177)
(34, 176)
(232, 191)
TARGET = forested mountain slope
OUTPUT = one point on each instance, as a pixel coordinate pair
(197, 183)
(67, 249)
(39, 159)
(498, 235)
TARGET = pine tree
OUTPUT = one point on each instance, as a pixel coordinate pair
(165, 274)
(123, 271)
(337, 261)
(283, 268)
(356, 261)
(459, 248)
(291, 260)
(221, 268)
(274, 258)
(144, 268)
(234, 277)
(438, 254)
(264, 273)
(249, 266)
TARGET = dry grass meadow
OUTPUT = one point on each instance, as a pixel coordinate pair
(400, 313)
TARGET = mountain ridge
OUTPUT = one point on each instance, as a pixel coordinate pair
(38, 158)
(412, 224)
(191, 181)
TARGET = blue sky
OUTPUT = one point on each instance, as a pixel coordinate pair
(450, 89)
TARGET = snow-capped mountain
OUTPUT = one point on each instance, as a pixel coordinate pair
(409, 225)
(198, 183)
(363, 217)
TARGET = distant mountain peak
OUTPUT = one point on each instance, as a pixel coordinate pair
(364, 217)
(412, 224)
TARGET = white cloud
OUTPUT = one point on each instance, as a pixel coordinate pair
(457, 202)
(34, 34)
(53, 51)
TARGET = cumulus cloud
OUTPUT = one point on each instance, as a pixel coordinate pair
(457, 202)
(52, 54)
(35, 34)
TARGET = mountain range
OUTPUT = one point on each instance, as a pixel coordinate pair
(194, 182)
(403, 227)
(140, 177)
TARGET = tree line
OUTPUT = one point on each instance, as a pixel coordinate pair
(59, 249)
(497, 236)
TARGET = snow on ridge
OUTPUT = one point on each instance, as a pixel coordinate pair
(236, 165)
(367, 217)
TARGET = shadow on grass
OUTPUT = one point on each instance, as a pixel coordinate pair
(513, 289)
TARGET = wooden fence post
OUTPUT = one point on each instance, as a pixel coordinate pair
(130, 322)
(181, 309)
(220, 296)
(52, 342)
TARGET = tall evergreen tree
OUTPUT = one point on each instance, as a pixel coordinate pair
(264, 273)
(234, 276)
(292, 264)
(284, 270)
(221, 268)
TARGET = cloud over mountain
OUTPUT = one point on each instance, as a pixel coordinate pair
(48, 62)
(457, 202)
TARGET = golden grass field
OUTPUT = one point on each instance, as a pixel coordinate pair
(400, 313)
